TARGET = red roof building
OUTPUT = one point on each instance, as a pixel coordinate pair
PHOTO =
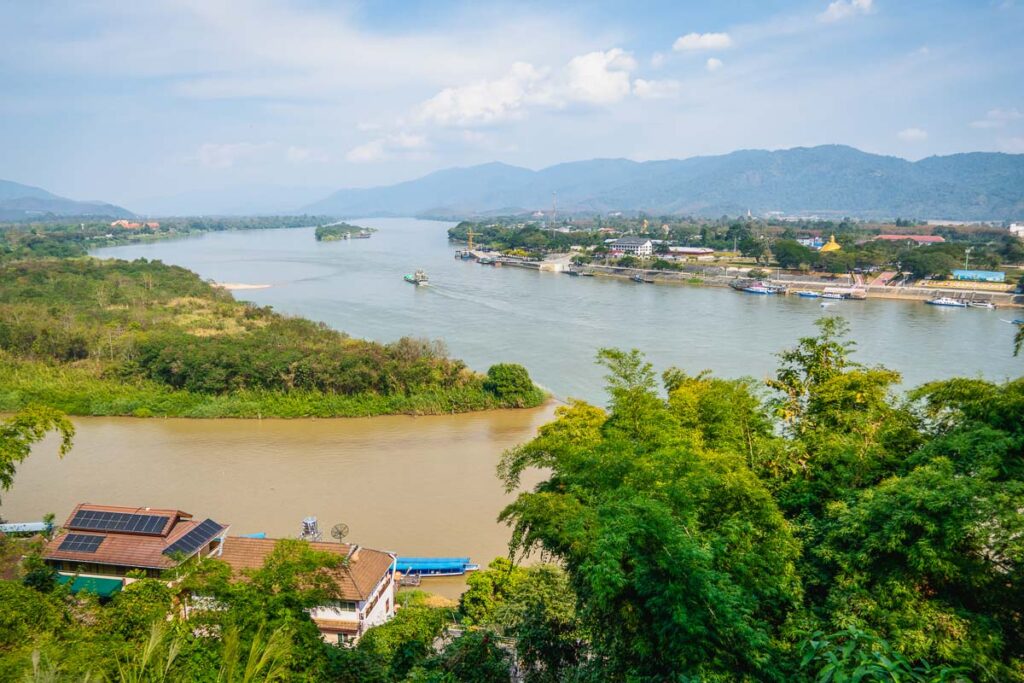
(110, 541)
(916, 239)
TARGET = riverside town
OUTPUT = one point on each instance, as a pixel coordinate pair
(354, 342)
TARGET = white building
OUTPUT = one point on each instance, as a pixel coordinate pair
(365, 579)
(635, 246)
(1017, 229)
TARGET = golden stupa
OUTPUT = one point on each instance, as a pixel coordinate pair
(831, 245)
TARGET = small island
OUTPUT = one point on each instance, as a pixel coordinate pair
(341, 231)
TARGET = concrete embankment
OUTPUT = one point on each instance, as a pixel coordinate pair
(721, 277)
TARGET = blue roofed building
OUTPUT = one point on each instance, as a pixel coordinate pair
(979, 275)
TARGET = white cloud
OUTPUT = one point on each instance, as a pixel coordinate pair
(998, 118)
(655, 90)
(912, 135)
(844, 9)
(702, 41)
(713, 64)
(600, 77)
(397, 145)
(486, 101)
(658, 60)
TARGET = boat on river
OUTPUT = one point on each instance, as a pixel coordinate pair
(435, 566)
(762, 287)
(947, 301)
(809, 295)
(417, 278)
(987, 305)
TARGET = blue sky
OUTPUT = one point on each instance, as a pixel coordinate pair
(131, 101)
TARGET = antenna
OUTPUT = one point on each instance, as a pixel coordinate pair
(339, 532)
(310, 530)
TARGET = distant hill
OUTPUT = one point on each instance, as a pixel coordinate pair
(25, 202)
(830, 180)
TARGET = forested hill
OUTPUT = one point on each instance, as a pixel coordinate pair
(830, 180)
(25, 202)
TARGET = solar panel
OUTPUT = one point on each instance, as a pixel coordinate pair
(81, 543)
(195, 539)
(124, 522)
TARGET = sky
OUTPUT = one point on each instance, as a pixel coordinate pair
(131, 102)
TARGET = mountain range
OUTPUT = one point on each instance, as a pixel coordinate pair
(25, 202)
(829, 180)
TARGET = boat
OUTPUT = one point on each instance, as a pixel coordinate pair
(485, 261)
(417, 278)
(759, 289)
(809, 295)
(574, 273)
(832, 295)
(947, 301)
(587, 273)
(637, 278)
(434, 566)
(987, 305)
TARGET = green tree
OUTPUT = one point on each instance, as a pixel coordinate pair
(791, 254)
(18, 433)
(671, 552)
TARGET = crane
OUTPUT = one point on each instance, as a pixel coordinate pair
(469, 239)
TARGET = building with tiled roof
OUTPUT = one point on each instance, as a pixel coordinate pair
(365, 579)
(913, 239)
(105, 542)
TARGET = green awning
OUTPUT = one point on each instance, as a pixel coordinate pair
(92, 584)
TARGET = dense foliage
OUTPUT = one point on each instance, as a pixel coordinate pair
(70, 237)
(108, 337)
(716, 534)
(337, 231)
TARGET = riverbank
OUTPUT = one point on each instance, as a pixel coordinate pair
(141, 339)
(79, 391)
(716, 276)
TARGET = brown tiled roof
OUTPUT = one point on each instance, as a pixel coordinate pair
(337, 625)
(125, 549)
(356, 579)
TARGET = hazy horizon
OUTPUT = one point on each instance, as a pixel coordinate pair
(138, 104)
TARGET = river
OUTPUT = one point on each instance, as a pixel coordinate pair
(427, 485)
(553, 324)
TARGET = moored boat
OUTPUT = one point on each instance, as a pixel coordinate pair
(987, 305)
(809, 295)
(947, 301)
(435, 566)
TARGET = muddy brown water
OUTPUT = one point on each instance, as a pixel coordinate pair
(413, 485)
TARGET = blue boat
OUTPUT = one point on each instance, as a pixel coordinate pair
(809, 295)
(435, 566)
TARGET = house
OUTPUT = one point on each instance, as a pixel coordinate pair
(366, 581)
(100, 544)
(1017, 229)
(979, 275)
(635, 246)
(912, 239)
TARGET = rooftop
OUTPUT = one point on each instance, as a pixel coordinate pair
(146, 538)
(927, 239)
(356, 578)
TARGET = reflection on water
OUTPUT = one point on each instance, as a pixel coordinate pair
(417, 486)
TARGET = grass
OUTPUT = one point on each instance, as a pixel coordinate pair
(77, 391)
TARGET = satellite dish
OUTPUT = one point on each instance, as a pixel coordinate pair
(339, 531)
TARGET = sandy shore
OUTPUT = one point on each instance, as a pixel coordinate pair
(239, 285)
